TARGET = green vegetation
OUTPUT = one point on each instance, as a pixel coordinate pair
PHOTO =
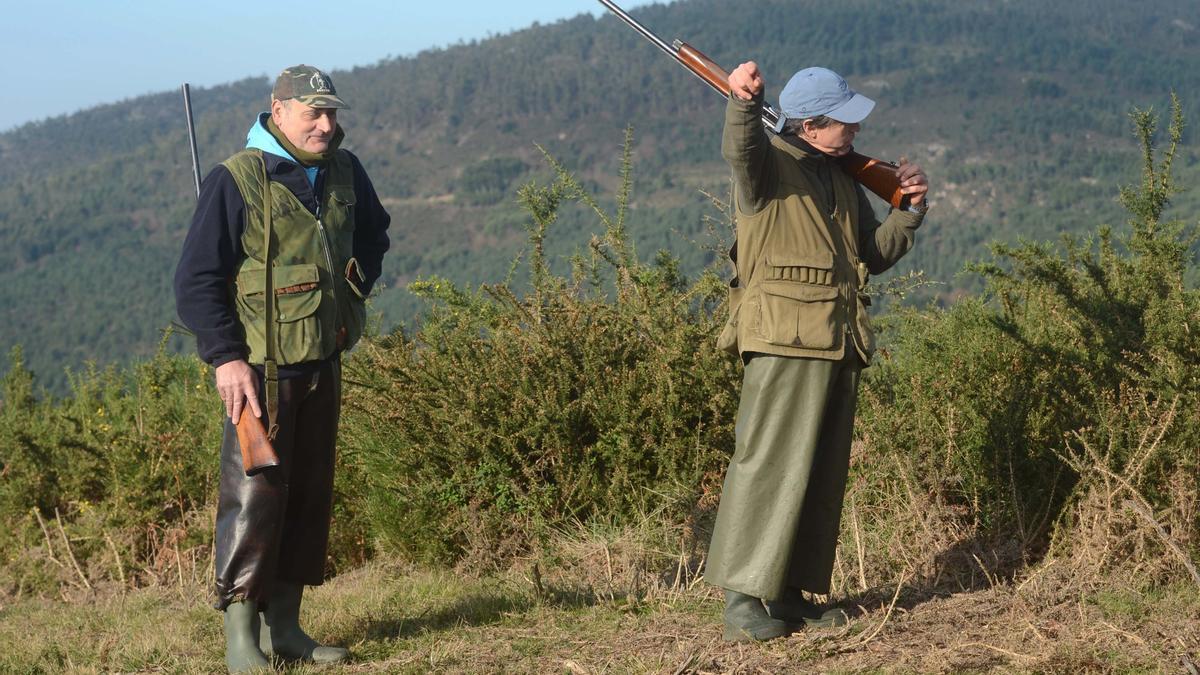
(1015, 108)
(1069, 388)
(589, 396)
(111, 484)
(528, 476)
(486, 182)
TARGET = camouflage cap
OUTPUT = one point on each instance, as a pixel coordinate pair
(308, 85)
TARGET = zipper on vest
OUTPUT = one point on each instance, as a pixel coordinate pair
(337, 312)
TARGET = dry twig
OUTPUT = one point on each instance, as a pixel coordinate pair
(116, 556)
(1126, 633)
(993, 648)
(862, 641)
(46, 534)
(687, 663)
(70, 554)
(1142, 510)
(862, 572)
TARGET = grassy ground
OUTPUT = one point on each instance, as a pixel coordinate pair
(403, 620)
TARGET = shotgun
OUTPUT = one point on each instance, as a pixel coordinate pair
(875, 175)
(257, 453)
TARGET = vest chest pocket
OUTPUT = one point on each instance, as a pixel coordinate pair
(798, 305)
(297, 298)
(339, 210)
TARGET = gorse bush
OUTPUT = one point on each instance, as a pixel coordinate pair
(116, 484)
(595, 394)
(1075, 374)
(112, 483)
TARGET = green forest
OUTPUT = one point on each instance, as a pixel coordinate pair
(1018, 110)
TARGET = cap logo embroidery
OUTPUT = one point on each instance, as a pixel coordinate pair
(319, 84)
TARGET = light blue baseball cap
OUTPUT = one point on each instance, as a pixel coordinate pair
(820, 91)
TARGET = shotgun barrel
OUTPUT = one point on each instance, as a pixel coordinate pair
(257, 452)
(876, 175)
(191, 127)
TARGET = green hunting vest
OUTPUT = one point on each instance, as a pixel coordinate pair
(800, 285)
(318, 312)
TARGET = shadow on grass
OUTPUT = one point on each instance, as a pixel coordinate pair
(969, 566)
(471, 609)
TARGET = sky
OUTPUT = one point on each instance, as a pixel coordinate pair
(61, 56)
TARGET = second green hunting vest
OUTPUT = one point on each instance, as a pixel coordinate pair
(318, 313)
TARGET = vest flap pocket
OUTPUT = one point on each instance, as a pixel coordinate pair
(341, 196)
(798, 315)
(297, 290)
(801, 292)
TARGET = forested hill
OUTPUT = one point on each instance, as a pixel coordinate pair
(1017, 108)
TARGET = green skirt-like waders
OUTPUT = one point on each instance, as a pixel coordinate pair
(777, 524)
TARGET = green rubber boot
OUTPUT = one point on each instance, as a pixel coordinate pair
(746, 620)
(241, 638)
(281, 633)
(798, 610)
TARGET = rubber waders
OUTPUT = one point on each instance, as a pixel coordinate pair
(746, 620)
(798, 610)
(281, 634)
(241, 638)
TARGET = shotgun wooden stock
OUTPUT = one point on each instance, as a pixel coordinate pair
(875, 175)
(257, 453)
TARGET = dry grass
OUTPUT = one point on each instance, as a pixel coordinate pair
(924, 594)
(1116, 593)
(614, 602)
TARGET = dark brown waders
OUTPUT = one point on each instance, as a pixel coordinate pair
(275, 525)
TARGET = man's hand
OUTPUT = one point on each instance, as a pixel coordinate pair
(745, 82)
(913, 182)
(237, 383)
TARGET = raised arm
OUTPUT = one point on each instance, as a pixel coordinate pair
(745, 144)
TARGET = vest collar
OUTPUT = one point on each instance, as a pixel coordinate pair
(799, 149)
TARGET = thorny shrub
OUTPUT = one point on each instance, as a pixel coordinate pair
(509, 415)
(110, 484)
(1060, 414)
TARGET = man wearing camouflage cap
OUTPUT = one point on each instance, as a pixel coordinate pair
(322, 233)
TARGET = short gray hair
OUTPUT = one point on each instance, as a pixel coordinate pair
(796, 127)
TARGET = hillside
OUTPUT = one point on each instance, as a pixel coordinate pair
(1017, 108)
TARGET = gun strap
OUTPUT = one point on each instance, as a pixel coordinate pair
(270, 368)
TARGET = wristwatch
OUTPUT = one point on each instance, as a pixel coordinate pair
(918, 209)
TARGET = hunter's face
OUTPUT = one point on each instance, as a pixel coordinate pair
(308, 128)
(835, 139)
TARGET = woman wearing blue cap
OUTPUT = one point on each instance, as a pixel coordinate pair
(807, 239)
